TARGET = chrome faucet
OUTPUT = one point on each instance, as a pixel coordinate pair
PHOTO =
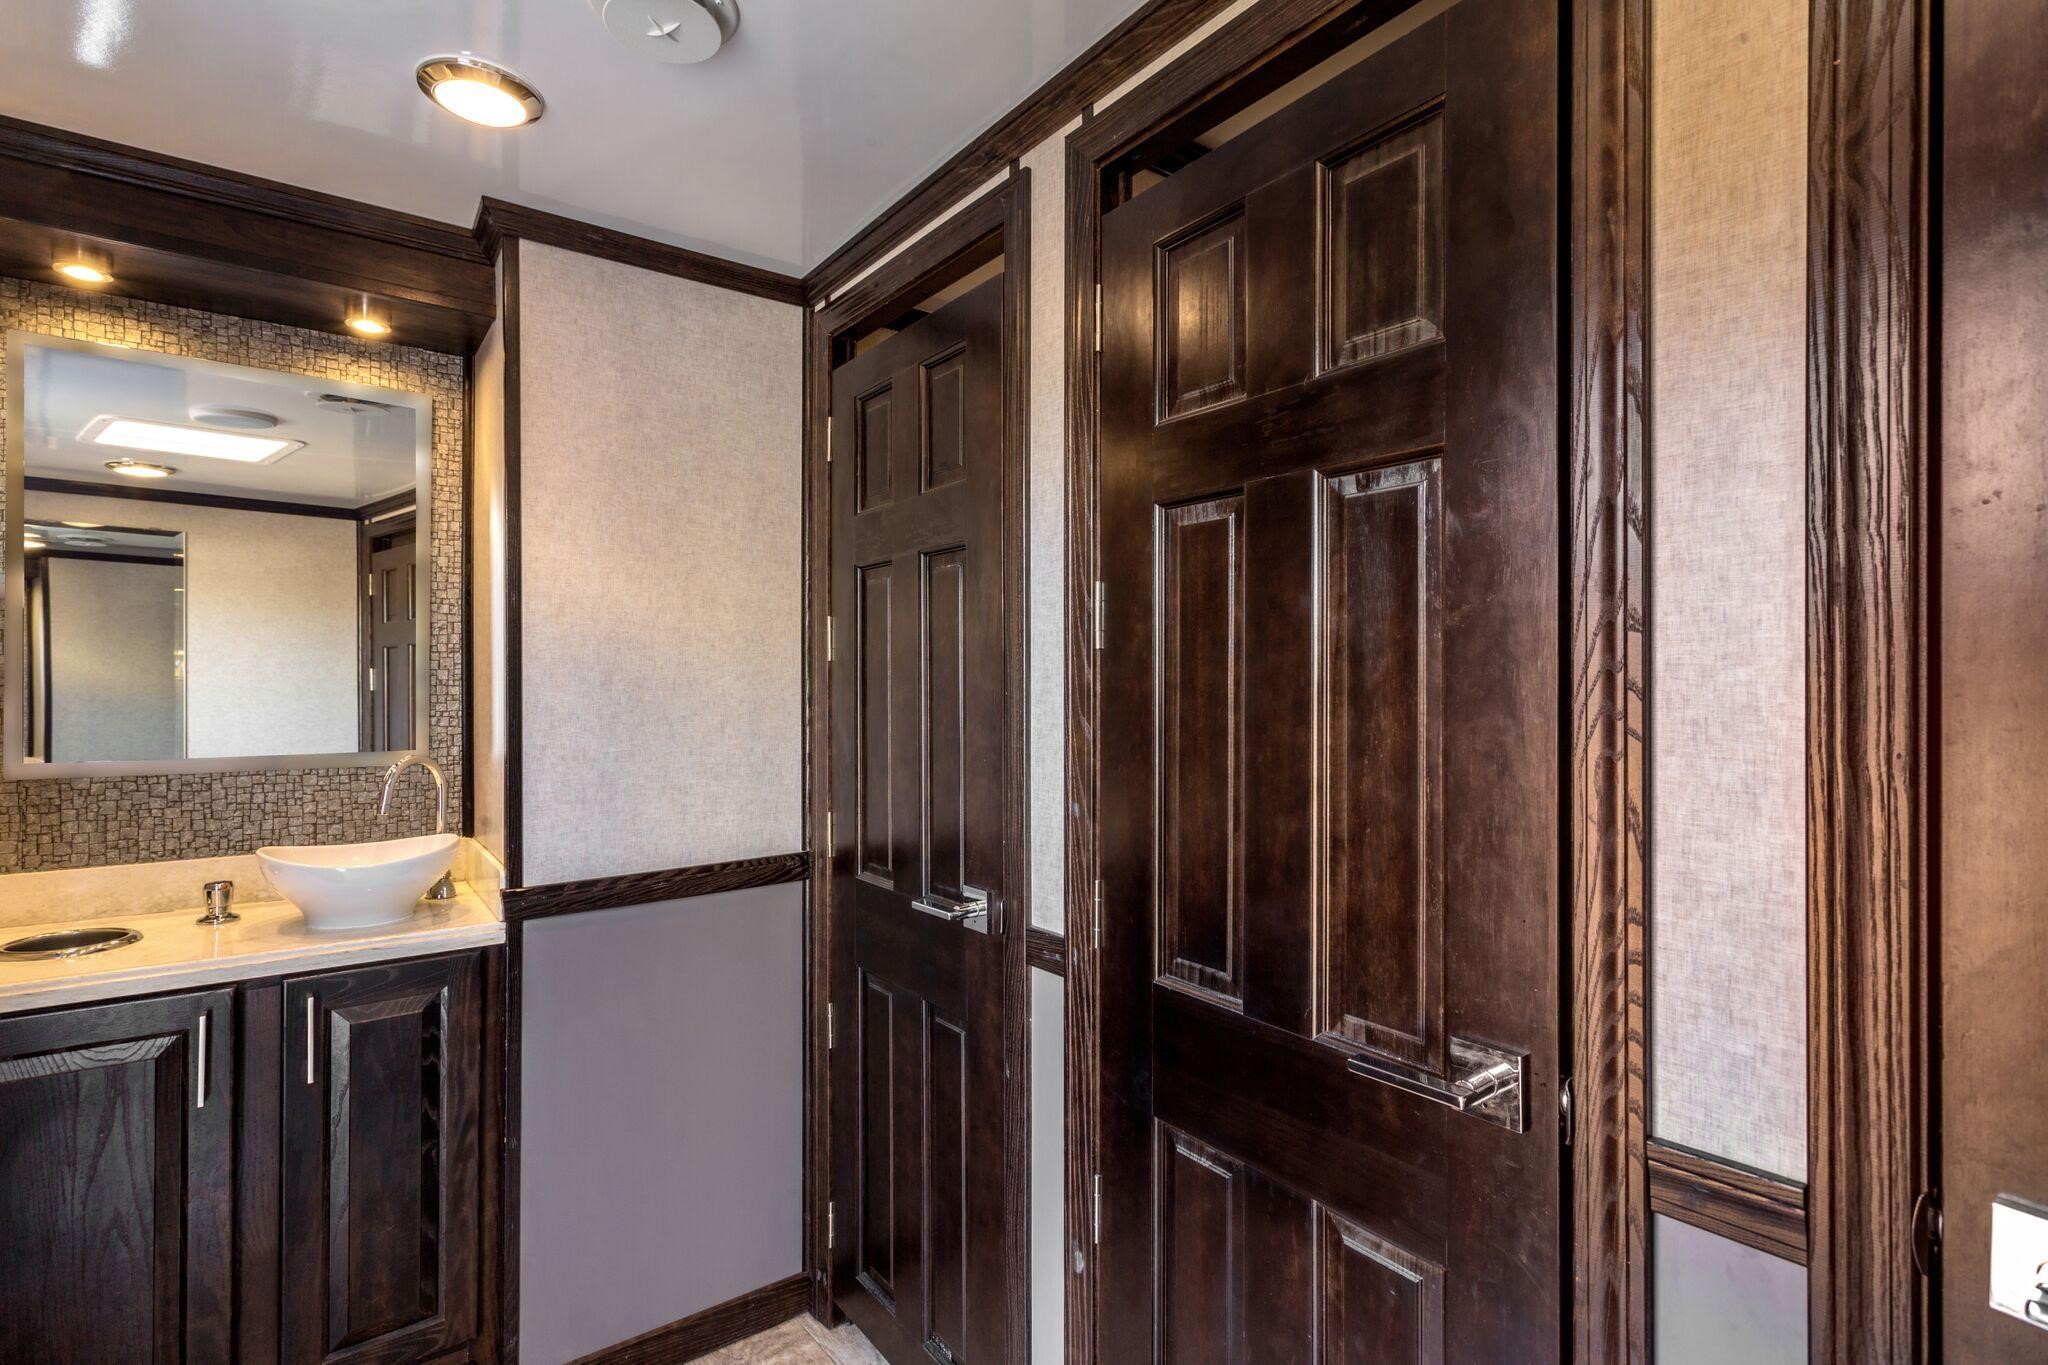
(445, 888)
(220, 904)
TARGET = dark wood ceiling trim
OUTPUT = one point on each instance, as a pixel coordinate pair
(1757, 1210)
(498, 219)
(651, 888)
(1121, 53)
(36, 483)
(1868, 1056)
(1609, 713)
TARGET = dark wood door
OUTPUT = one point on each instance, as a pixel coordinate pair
(391, 625)
(918, 1093)
(382, 1070)
(1330, 771)
(117, 1182)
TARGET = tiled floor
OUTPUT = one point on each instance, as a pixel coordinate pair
(800, 1341)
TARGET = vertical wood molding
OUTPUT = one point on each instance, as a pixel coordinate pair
(1866, 562)
(1609, 246)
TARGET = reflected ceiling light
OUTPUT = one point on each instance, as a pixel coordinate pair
(174, 438)
(141, 469)
(83, 270)
(87, 525)
(479, 92)
(233, 419)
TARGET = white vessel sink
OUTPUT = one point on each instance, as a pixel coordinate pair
(354, 886)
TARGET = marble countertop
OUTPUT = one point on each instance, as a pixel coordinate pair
(270, 939)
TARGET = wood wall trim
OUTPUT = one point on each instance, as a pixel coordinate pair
(1120, 54)
(652, 888)
(1046, 949)
(1867, 449)
(701, 1333)
(1608, 723)
(498, 219)
(1746, 1206)
(37, 483)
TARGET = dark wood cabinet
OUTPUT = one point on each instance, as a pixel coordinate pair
(381, 1163)
(285, 1171)
(116, 1182)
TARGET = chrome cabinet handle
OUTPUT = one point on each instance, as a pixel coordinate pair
(1486, 1082)
(309, 1040)
(971, 913)
(199, 1087)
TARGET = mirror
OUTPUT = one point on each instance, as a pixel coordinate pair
(209, 567)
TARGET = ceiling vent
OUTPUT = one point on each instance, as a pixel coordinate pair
(677, 32)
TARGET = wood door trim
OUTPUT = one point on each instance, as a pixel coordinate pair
(1868, 1054)
(1002, 215)
(497, 219)
(1606, 850)
(1746, 1206)
(1608, 855)
(652, 888)
(1046, 949)
(708, 1329)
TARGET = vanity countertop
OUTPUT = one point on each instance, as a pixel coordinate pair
(270, 939)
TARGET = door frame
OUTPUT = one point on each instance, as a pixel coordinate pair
(996, 223)
(1603, 241)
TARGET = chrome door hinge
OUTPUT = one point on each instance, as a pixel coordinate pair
(830, 845)
(370, 583)
(1096, 927)
(831, 1226)
(1101, 611)
(372, 671)
(1565, 1123)
(828, 639)
(1096, 1220)
(831, 1037)
(828, 440)
(1098, 317)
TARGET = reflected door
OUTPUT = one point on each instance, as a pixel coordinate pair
(917, 774)
(1329, 783)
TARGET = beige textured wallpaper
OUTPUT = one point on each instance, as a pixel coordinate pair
(1727, 574)
(661, 574)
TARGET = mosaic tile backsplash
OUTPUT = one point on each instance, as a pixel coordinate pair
(87, 822)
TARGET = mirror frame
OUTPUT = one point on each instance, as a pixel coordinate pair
(14, 765)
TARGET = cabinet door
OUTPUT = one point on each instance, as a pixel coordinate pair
(381, 1163)
(116, 1193)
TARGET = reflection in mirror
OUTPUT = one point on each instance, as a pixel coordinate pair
(211, 566)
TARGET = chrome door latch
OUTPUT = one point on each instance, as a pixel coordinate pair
(970, 913)
(1486, 1082)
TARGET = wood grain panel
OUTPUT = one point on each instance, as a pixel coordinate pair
(944, 845)
(947, 1100)
(653, 888)
(874, 839)
(1201, 319)
(1746, 1206)
(873, 466)
(1382, 261)
(875, 1239)
(1382, 921)
(1201, 666)
(1199, 1262)
(942, 418)
(1379, 1305)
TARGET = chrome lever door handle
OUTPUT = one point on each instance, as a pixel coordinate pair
(971, 913)
(1486, 1082)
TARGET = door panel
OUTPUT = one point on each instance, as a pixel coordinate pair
(1329, 768)
(381, 1161)
(917, 735)
(393, 628)
(116, 1171)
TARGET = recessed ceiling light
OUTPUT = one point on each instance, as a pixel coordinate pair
(141, 469)
(362, 324)
(80, 270)
(479, 92)
(173, 438)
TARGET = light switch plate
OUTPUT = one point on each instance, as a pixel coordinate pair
(2019, 1259)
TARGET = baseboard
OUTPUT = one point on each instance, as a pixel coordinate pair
(719, 1325)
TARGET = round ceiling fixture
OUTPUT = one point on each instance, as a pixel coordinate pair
(141, 469)
(677, 32)
(83, 270)
(479, 92)
(232, 419)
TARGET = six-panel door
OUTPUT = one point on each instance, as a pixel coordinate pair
(382, 1076)
(1328, 789)
(117, 1182)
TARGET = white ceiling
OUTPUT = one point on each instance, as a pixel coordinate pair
(816, 117)
(350, 457)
